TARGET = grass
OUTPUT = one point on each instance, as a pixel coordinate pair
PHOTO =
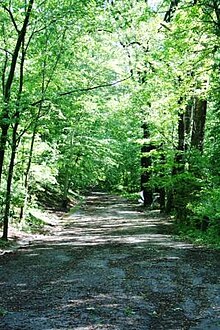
(5, 244)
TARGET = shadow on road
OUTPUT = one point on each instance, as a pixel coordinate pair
(110, 266)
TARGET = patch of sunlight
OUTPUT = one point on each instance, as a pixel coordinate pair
(109, 235)
(128, 212)
(154, 3)
(62, 281)
(43, 248)
(97, 193)
(26, 250)
(88, 327)
(75, 302)
(128, 226)
(181, 245)
(105, 300)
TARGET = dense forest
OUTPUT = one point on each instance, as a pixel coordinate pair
(116, 95)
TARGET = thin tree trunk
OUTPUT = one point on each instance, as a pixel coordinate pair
(145, 164)
(181, 144)
(9, 183)
(67, 177)
(65, 189)
(161, 190)
(14, 146)
(4, 121)
(3, 141)
(26, 175)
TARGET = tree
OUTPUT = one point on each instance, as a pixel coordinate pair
(45, 27)
(8, 77)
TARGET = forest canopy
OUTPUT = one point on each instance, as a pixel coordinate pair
(114, 95)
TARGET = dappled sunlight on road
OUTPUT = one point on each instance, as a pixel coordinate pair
(110, 265)
(89, 239)
(102, 222)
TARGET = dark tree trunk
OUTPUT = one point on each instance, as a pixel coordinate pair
(162, 199)
(199, 119)
(66, 189)
(4, 125)
(9, 184)
(169, 204)
(188, 118)
(145, 164)
(3, 141)
(181, 144)
(161, 190)
(14, 145)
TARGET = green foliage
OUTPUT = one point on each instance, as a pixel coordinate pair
(33, 224)
(79, 128)
(134, 197)
(185, 189)
(4, 244)
(198, 237)
(206, 211)
(3, 312)
(37, 221)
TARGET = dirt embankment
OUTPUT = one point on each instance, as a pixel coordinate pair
(109, 266)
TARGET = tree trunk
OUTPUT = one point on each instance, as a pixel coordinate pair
(4, 125)
(188, 118)
(14, 146)
(161, 190)
(179, 161)
(26, 175)
(9, 184)
(181, 145)
(145, 164)
(199, 119)
(65, 189)
(3, 141)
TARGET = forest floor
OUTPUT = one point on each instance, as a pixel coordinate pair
(109, 266)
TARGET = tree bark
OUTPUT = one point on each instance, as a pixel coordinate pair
(9, 183)
(199, 119)
(145, 164)
(66, 189)
(14, 147)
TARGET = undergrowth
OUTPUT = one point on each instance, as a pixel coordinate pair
(4, 244)
(208, 238)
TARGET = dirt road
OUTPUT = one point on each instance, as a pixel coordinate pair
(109, 266)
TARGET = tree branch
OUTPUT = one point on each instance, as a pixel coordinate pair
(102, 30)
(6, 51)
(170, 12)
(12, 18)
(94, 87)
(86, 89)
(5, 61)
(165, 26)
